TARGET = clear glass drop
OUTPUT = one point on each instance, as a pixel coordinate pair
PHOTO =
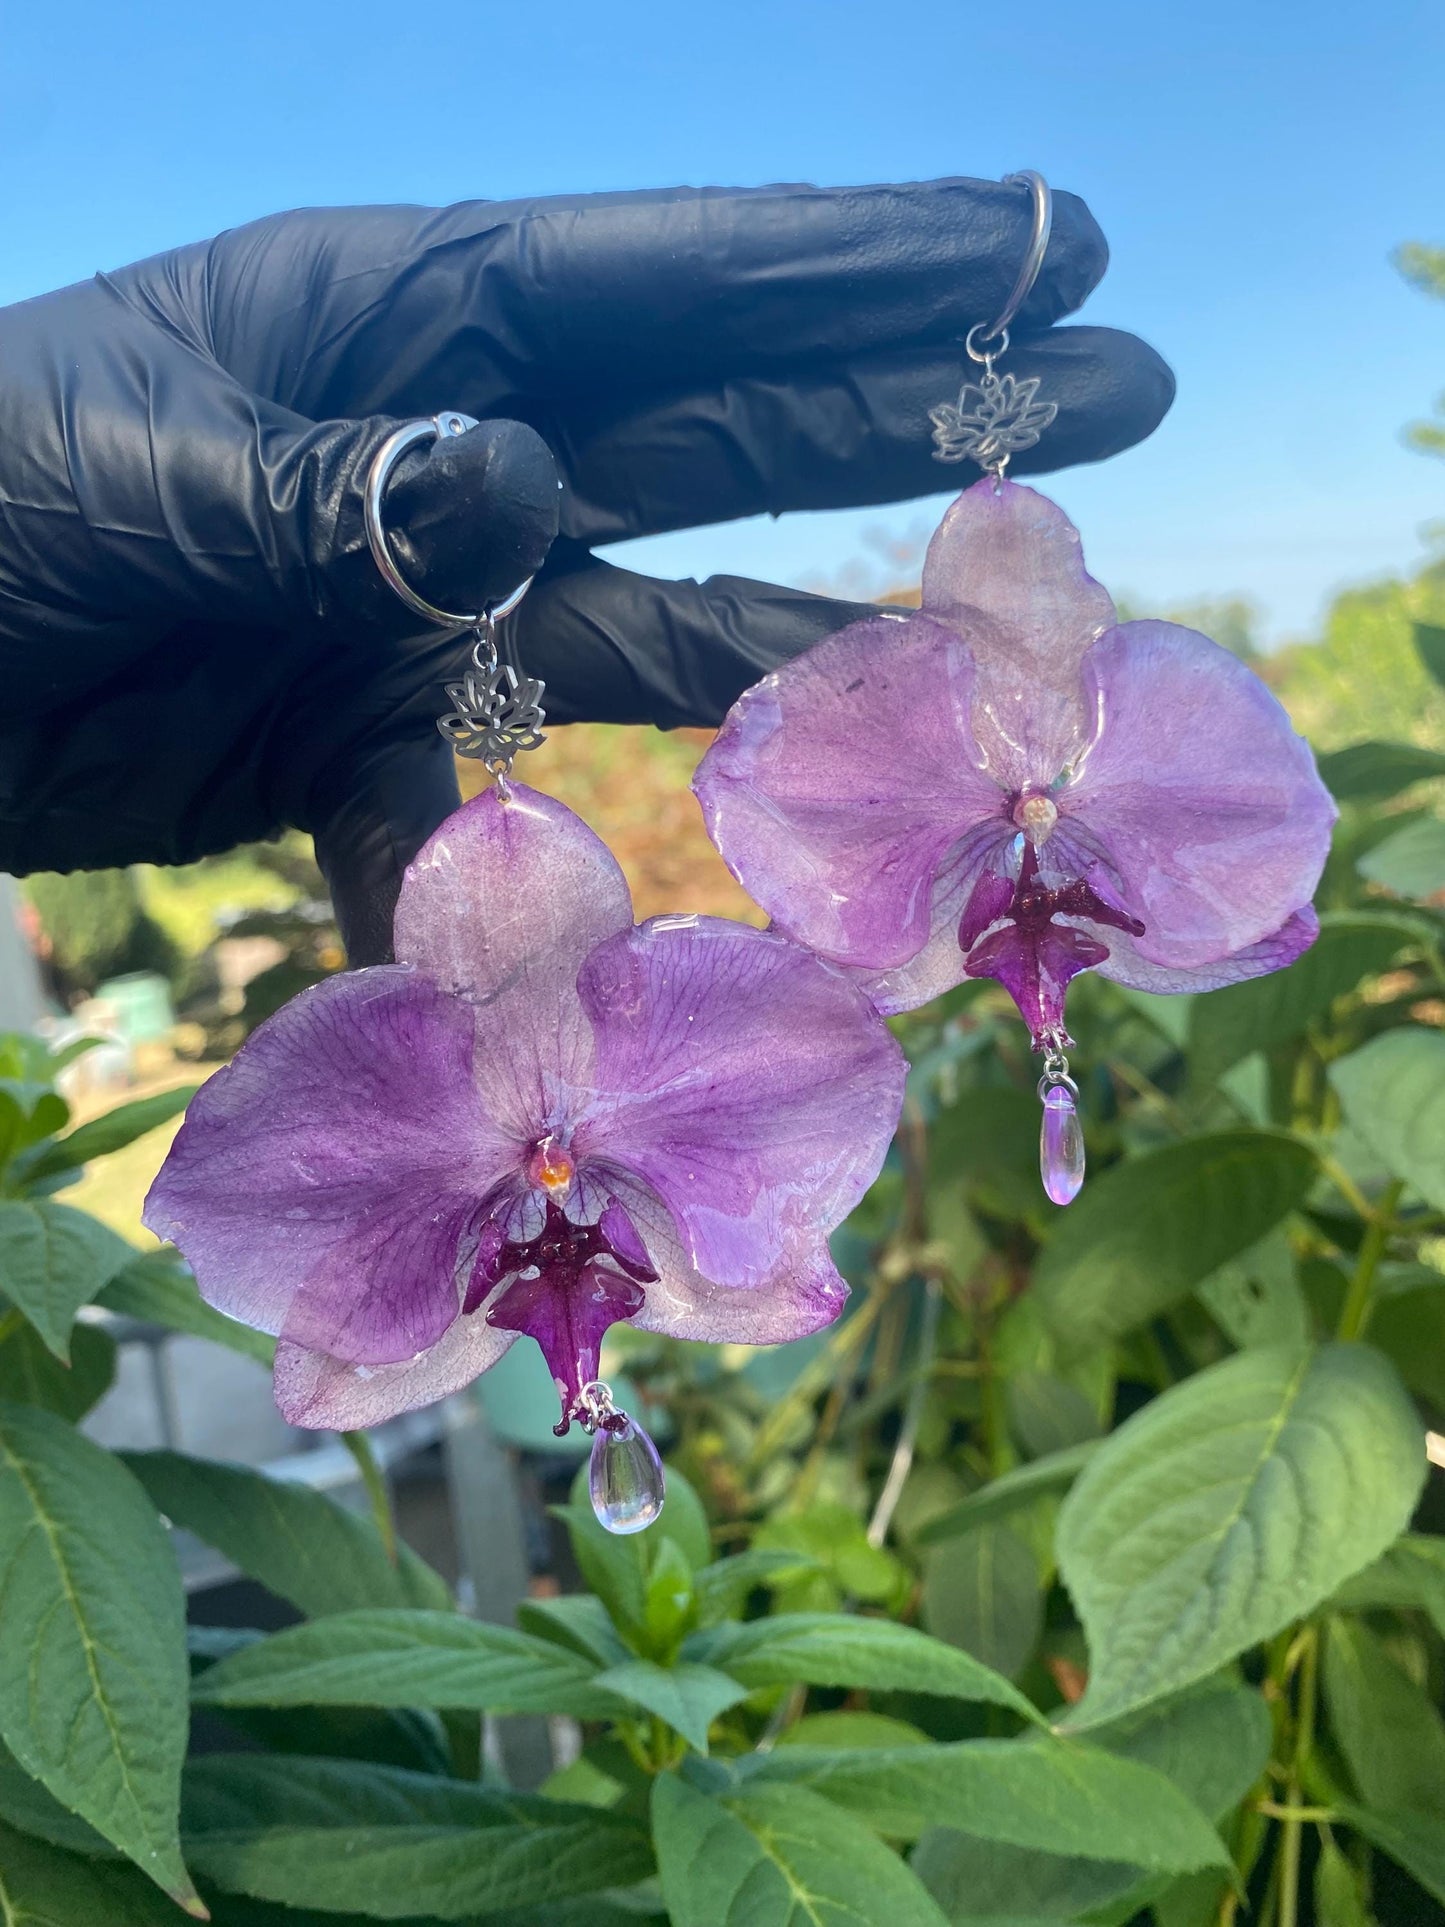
(625, 1479)
(1061, 1145)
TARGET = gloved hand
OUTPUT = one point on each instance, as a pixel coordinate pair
(195, 646)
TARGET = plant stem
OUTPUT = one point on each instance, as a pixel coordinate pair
(374, 1479)
(1292, 1824)
(1360, 1298)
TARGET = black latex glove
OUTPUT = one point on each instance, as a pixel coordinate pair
(195, 646)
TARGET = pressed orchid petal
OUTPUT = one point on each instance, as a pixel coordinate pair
(331, 1395)
(1125, 965)
(1005, 570)
(501, 907)
(749, 1084)
(838, 785)
(1208, 804)
(321, 1181)
(803, 1293)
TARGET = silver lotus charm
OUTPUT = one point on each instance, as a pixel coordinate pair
(993, 419)
(496, 713)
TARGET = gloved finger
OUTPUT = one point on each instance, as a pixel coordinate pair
(370, 813)
(492, 305)
(836, 436)
(189, 495)
(615, 646)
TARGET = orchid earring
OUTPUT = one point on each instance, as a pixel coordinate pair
(497, 712)
(543, 1120)
(1045, 790)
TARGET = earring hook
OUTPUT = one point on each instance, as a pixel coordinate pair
(996, 333)
(433, 428)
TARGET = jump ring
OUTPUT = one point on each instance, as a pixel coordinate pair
(433, 428)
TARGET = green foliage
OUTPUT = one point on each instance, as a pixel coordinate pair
(301, 1545)
(386, 1843)
(97, 1711)
(776, 1856)
(1068, 1578)
(1315, 1460)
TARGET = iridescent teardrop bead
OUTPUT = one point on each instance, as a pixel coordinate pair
(624, 1479)
(1061, 1145)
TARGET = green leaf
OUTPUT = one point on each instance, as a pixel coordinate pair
(1048, 1414)
(1212, 1743)
(379, 1841)
(1062, 1795)
(1391, 1736)
(1430, 647)
(1256, 1299)
(851, 1729)
(1411, 863)
(577, 1621)
(26, 1806)
(1416, 1841)
(42, 1887)
(30, 1374)
(1143, 1235)
(53, 1260)
(93, 1599)
(299, 1544)
(112, 1132)
(1393, 1094)
(1262, 1012)
(1008, 1493)
(395, 1657)
(1369, 772)
(1338, 1899)
(776, 1856)
(618, 1567)
(1231, 1505)
(1411, 1573)
(722, 1588)
(846, 1650)
(687, 1696)
(981, 1591)
(158, 1289)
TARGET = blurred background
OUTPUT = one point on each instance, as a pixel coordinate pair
(1272, 184)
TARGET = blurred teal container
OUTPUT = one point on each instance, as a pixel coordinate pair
(141, 1001)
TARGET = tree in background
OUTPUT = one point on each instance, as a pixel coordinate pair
(1424, 268)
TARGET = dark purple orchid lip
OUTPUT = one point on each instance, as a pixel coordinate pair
(567, 1285)
(1033, 955)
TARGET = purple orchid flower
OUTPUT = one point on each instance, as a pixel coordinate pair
(1013, 784)
(541, 1120)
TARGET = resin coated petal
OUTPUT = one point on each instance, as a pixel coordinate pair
(501, 907)
(1005, 571)
(335, 1162)
(803, 1293)
(329, 1395)
(750, 1085)
(1209, 805)
(1274, 952)
(839, 784)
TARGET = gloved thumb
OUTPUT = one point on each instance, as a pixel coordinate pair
(371, 814)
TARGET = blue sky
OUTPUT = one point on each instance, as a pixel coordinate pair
(1252, 165)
